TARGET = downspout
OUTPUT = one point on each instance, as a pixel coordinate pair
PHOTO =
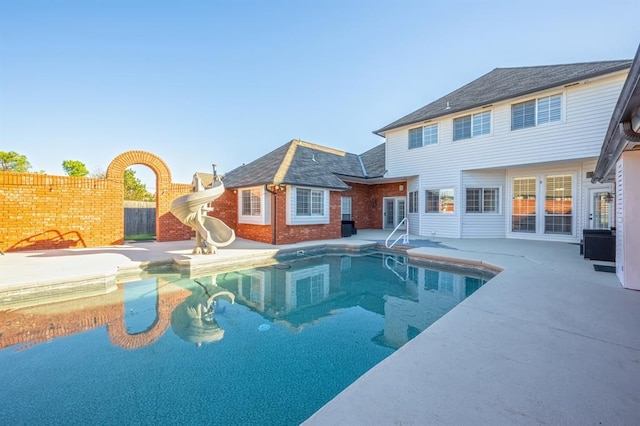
(626, 129)
(273, 214)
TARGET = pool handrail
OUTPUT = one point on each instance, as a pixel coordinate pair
(405, 236)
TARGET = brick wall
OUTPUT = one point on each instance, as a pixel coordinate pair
(40, 211)
(366, 202)
(366, 211)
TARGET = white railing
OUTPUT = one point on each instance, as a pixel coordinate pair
(391, 268)
(405, 236)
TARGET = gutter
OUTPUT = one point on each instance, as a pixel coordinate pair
(624, 124)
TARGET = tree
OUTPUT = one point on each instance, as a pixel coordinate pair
(13, 162)
(134, 189)
(75, 168)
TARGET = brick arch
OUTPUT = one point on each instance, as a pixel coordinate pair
(168, 228)
(118, 165)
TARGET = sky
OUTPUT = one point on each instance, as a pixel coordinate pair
(225, 82)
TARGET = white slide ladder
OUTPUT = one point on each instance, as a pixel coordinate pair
(405, 236)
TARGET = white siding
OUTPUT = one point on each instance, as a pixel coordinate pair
(483, 225)
(620, 254)
(628, 199)
(578, 137)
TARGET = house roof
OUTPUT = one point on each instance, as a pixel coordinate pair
(303, 163)
(505, 83)
(626, 113)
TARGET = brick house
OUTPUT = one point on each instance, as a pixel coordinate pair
(303, 191)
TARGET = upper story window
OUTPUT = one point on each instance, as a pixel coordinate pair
(307, 206)
(423, 136)
(536, 112)
(253, 206)
(439, 201)
(471, 126)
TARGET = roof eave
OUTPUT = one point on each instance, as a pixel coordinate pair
(615, 142)
(451, 111)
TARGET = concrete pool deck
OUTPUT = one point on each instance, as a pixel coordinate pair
(548, 340)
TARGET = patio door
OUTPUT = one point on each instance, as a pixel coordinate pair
(600, 208)
(393, 212)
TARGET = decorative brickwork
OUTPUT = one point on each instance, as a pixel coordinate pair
(39, 211)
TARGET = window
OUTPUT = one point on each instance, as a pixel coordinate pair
(536, 112)
(462, 128)
(471, 126)
(308, 206)
(482, 200)
(309, 202)
(558, 205)
(413, 202)
(251, 202)
(523, 205)
(481, 124)
(345, 207)
(423, 136)
(439, 201)
(253, 206)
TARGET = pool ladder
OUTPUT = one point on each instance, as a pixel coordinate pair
(392, 268)
(405, 236)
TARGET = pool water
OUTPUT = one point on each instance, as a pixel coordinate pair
(266, 346)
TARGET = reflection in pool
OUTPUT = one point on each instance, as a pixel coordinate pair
(268, 345)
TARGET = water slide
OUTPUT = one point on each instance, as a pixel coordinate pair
(191, 209)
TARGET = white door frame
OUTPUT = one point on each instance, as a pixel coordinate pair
(398, 212)
(591, 214)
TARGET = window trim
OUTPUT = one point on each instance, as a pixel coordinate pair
(471, 131)
(431, 129)
(260, 219)
(346, 211)
(536, 113)
(293, 218)
(429, 201)
(482, 200)
(413, 204)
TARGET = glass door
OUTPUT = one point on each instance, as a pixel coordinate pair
(393, 212)
(600, 208)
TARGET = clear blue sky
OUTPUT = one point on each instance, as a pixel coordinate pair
(202, 82)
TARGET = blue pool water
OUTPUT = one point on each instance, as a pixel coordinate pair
(175, 349)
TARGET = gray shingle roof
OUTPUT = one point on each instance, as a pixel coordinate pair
(303, 163)
(504, 83)
(373, 161)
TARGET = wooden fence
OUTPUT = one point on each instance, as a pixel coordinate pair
(139, 217)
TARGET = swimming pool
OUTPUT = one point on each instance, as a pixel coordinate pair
(268, 345)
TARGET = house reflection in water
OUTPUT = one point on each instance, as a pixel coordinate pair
(295, 294)
(298, 294)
